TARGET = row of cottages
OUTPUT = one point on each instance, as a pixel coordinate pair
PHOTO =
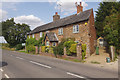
(79, 26)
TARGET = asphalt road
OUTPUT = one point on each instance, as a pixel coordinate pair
(21, 65)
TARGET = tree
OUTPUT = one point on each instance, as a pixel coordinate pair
(14, 33)
(111, 28)
(103, 11)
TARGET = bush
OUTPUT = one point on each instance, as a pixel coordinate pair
(19, 47)
(30, 48)
(73, 48)
(47, 49)
(68, 44)
(51, 50)
(43, 48)
(83, 51)
(59, 49)
(5, 44)
(31, 41)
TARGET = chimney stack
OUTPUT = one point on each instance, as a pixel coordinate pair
(56, 16)
(79, 7)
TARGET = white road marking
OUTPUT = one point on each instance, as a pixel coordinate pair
(74, 75)
(7, 76)
(11, 55)
(20, 58)
(40, 64)
(1, 69)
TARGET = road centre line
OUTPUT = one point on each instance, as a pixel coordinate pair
(40, 64)
(75, 75)
(7, 76)
(20, 58)
(1, 69)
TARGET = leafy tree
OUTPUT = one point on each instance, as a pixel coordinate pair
(103, 11)
(14, 33)
(111, 28)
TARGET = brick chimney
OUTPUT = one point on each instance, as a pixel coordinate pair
(56, 16)
(79, 7)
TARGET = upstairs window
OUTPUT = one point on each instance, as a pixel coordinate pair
(76, 29)
(33, 36)
(60, 31)
(40, 34)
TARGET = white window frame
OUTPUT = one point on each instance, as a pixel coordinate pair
(40, 34)
(33, 36)
(76, 29)
(60, 31)
(47, 43)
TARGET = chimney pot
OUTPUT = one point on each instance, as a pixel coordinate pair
(56, 16)
(56, 13)
(80, 3)
(79, 8)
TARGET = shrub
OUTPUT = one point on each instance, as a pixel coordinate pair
(43, 48)
(5, 44)
(59, 49)
(68, 44)
(83, 51)
(30, 48)
(51, 50)
(19, 47)
(73, 48)
(31, 41)
(47, 49)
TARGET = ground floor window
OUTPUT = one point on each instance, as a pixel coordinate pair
(47, 43)
(54, 44)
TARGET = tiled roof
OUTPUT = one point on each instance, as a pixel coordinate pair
(82, 16)
(51, 36)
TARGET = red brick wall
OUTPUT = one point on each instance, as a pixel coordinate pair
(92, 32)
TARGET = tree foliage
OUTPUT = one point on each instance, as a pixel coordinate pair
(103, 11)
(14, 33)
(107, 22)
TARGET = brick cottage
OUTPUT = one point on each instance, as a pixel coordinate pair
(79, 26)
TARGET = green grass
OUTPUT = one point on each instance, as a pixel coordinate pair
(95, 62)
(23, 51)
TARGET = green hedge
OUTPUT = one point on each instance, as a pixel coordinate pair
(43, 48)
(73, 48)
(19, 47)
(30, 48)
(68, 44)
(83, 51)
(51, 50)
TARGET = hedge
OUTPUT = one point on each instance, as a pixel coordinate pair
(30, 48)
(83, 51)
(19, 47)
(42, 48)
(73, 48)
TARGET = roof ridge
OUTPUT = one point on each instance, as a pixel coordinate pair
(64, 21)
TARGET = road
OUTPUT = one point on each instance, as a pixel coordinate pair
(21, 65)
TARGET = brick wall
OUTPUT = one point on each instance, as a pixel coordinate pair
(92, 32)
